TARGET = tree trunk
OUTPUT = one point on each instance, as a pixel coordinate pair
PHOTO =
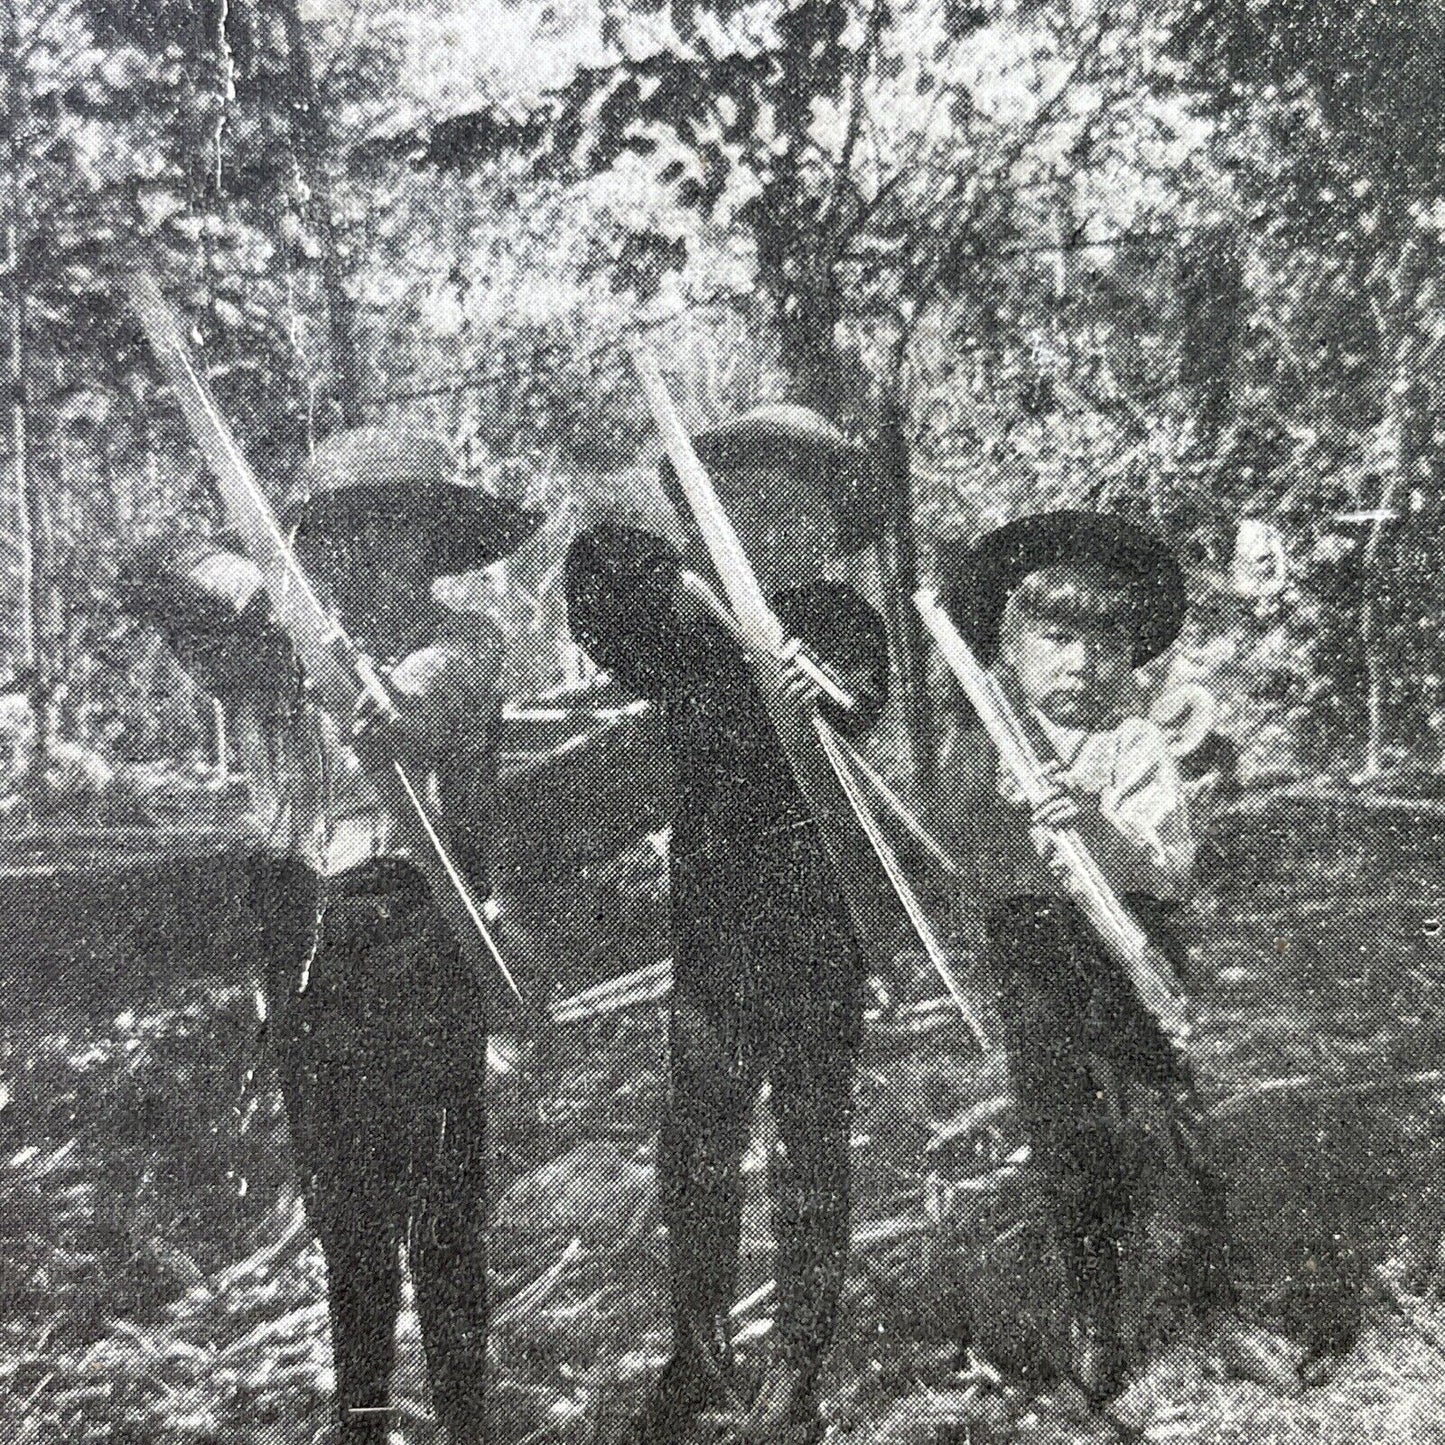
(1404, 401)
(311, 143)
(24, 502)
(795, 256)
(27, 502)
(29, 522)
(909, 639)
(809, 309)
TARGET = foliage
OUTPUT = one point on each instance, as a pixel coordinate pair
(1163, 258)
(1324, 117)
(1139, 256)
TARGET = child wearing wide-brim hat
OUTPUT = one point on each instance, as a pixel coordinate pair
(379, 1024)
(375, 514)
(1064, 606)
(807, 464)
(767, 972)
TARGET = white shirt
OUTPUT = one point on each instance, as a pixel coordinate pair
(310, 798)
(1132, 774)
(1140, 833)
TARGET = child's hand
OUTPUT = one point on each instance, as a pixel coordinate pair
(1058, 808)
(382, 734)
(797, 684)
(1047, 843)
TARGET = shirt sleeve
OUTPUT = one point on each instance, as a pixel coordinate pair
(457, 678)
(1146, 803)
(211, 606)
(621, 582)
(849, 638)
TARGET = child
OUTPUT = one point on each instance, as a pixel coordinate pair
(767, 972)
(1065, 606)
(380, 1030)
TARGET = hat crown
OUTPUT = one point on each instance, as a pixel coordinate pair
(375, 456)
(398, 474)
(804, 445)
(982, 576)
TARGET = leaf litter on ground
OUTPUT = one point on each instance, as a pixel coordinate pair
(159, 1282)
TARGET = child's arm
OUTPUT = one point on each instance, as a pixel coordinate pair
(211, 606)
(446, 722)
(444, 696)
(1138, 829)
(848, 637)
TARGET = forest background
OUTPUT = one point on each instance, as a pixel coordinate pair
(1179, 259)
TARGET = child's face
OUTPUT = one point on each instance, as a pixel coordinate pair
(1072, 673)
(377, 578)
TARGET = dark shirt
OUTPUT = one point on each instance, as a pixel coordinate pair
(307, 800)
(744, 841)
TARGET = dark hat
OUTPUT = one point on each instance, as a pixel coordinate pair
(189, 579)
(373, 472)
(806, 448)
(977, 580)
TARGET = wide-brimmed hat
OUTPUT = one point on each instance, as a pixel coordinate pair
(210, 602)
(188, 579)
(374, 473)
(808, 452)
(976, 580)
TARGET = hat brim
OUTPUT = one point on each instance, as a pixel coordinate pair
(822, 468)
(463, 527)
(978, 579)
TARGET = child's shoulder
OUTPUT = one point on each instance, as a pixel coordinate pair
(1140, 747)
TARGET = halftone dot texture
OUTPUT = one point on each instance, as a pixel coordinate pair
(1166, 261)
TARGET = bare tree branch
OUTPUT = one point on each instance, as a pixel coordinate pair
(924, 279)
(855, 115)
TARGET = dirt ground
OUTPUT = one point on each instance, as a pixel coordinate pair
(158, 1283)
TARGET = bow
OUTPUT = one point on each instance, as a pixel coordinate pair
(335, 666)
(818, 757)
(1148, 970)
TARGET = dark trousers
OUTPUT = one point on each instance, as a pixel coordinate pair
(381, 1051)
(748, 1006)
(1080, 1043)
